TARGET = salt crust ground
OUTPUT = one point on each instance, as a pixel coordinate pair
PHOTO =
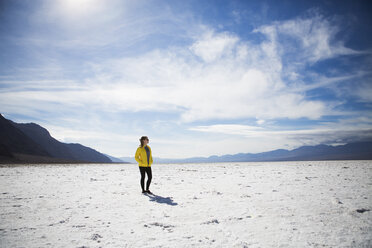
(281, 204)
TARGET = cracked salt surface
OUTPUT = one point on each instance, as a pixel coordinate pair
(281, 204)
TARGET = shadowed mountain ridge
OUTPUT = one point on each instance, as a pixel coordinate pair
(30, 142)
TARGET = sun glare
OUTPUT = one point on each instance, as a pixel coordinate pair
(79, 8)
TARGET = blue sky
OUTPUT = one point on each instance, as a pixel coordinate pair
(199, 78)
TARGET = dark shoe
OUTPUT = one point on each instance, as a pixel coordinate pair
(144, 191)
(149, 192)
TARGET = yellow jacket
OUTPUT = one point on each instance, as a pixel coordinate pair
(141, 157)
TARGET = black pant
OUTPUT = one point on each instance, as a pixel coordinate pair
(149, 177)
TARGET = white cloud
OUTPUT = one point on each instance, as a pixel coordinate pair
(260, 122)
(218, 76)
(315, 35)
(239, 80)
(228, 129)
(213, 46)
(363, 92)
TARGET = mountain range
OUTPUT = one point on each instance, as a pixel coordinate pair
(351, 151)
(31, 143)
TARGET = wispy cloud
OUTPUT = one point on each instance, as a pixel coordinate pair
(235, 72)
(308, 39)
(329, 133)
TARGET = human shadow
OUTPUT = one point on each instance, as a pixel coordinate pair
(160, 199)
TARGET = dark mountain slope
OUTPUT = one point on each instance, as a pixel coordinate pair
(87, 154)
(13, 140)
(32, 143)
(58, 149)
(41, 136)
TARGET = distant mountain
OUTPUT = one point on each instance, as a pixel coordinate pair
(351, 151)
(116, 160)
(128, 159)
(32, 143)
